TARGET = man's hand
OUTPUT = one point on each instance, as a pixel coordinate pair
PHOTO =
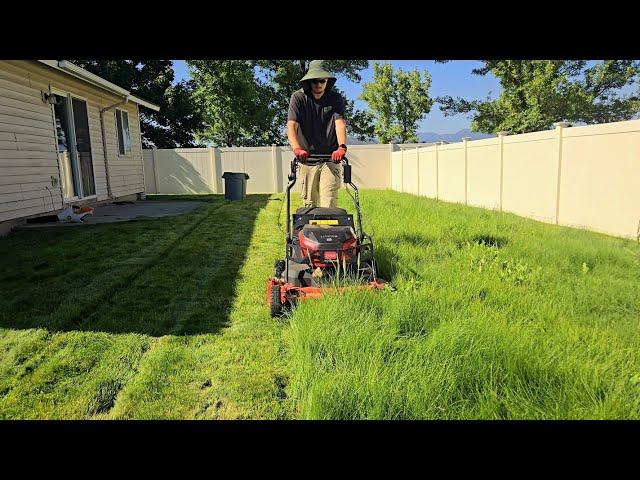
(338, 155)
(301, 154)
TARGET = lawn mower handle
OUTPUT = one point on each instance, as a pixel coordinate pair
(346, 176)
(320, 159)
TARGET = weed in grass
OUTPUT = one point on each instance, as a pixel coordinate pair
(281, 382)
(490, 241)
(105, 397)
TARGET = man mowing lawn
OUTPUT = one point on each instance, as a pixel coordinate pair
(316, 125)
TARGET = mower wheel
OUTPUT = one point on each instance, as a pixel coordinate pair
(275, 305)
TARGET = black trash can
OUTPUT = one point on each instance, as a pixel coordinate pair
(235, 185)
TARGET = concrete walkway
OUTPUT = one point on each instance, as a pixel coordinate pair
(126, 211)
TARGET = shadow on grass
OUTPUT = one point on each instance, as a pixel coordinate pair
(387, 262)
(388, 258)
(412, 239)
(484, 240)
(168, 276)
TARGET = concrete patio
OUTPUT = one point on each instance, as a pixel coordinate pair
(124, 212)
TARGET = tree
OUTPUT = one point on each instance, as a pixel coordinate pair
(178, 119)
(245, 102)
(537, 93)
(237, 108)
(398, 100)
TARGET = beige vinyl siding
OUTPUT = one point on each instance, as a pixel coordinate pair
(28, 157)
(126, 170)
(27, 139)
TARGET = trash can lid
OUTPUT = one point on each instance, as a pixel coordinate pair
(235, 174)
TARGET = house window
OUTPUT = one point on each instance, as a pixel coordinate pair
(124, 137)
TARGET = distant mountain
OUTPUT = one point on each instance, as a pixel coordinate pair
(429, 137)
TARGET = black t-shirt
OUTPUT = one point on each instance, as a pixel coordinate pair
(317, 119)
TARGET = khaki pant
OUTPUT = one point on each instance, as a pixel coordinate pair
(320, 184)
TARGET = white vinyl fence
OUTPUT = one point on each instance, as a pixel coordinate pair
(199, 170)
(586, 177)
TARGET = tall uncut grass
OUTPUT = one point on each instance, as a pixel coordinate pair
(494, 317)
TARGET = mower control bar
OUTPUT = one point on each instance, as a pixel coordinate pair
(346, 174)
(317, 159)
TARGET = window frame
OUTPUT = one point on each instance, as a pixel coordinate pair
(120, 133)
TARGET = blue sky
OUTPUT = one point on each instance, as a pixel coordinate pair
(452, 78)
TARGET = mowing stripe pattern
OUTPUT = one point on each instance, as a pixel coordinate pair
(494, 317)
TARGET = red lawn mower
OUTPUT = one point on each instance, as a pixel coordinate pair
(324, 250)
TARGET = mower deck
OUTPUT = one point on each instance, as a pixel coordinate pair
(281, 294)
(321, 243)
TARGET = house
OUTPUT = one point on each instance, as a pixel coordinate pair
(67, 136)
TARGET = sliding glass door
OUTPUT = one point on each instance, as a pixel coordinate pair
(74, 147)
(64, 127)
(83, 146)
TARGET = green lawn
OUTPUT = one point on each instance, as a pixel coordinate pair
(160, 318)
(495, 316)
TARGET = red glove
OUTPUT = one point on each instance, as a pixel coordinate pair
(301, 154)
(338, 155)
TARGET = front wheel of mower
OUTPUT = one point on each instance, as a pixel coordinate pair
(275, 305)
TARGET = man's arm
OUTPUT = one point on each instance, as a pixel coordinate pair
(292, 135)
(293, 127)
(340, 121)
(341, 134)
(341, 131)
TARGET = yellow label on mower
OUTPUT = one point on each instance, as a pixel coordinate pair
(324, 222)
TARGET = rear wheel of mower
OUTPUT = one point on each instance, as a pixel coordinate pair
(275, 305)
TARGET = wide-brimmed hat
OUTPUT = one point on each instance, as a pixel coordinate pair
(318, 70)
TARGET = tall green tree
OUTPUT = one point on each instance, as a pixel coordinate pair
(237, 107)
(245, 102)
(398, 100)
(179, 117)
(537, 93)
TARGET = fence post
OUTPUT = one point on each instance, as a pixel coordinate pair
(402, 169)
(155, 168)
(501, 136)
(418, 172)
(274, 167)
(465, 141)
(391, 166)
(212, 169)
(217, 170)
(437, 173)
(559, 126)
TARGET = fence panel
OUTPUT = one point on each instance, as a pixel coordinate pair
(586, 177)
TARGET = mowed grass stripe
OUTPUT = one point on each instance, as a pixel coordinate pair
(61, 372)
(231, 374)
(92, 374)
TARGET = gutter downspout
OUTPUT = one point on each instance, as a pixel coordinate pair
(144, 177)
(104, 143)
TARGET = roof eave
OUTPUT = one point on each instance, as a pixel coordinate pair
(78, 72)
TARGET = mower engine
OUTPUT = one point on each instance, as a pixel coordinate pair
(324, 245)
